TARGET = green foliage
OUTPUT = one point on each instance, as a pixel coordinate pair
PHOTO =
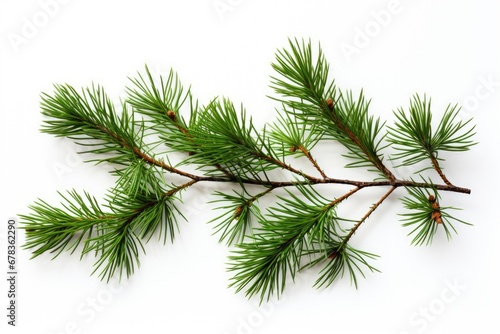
(301, 228)
(52, 229)
(154, 100)
(302, 78)
(344, 258)
(90, 119)
(138, 177)
(274, 251)
(114, 236)
(226, 137)
(358, 131)
(291, 137)
(426, 215)
(160, 102)
(234, 223)
(416, 141)
(325, 111)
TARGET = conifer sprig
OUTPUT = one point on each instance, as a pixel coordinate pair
(274, 251)
(426, 215)
(413, 135)
(90, 119)
(303, 84)
(302, 226)
(234, 224)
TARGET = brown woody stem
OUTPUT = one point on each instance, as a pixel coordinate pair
(438, 169)
(365, 217)
(314, 162)
(309, 179)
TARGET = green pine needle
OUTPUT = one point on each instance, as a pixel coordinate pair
(235, 223)
(414, 138)
(273, 253)
(343, 258)
(425, 216)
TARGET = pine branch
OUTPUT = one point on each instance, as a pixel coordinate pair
(234, 223)
(219, 143)
(427, 215)
(262, 263)
(114, 236)
(304, 87)
(416, 141)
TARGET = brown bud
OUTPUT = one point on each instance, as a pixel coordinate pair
(329, 104)
(238, 212)
(293, 149)
(436, 216)
(171, 114)
(434, 202)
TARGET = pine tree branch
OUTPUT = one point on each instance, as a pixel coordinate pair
(344, 128)
(224, 146)
(311, 180)
(140, 154)
(318, 181)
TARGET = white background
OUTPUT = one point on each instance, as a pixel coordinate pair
(447, 49)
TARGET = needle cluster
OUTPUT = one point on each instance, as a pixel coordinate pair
(301, 228)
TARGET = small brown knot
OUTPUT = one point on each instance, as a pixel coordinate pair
(436, 214)
(329, 104)
(237, 212)
(171, 114)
